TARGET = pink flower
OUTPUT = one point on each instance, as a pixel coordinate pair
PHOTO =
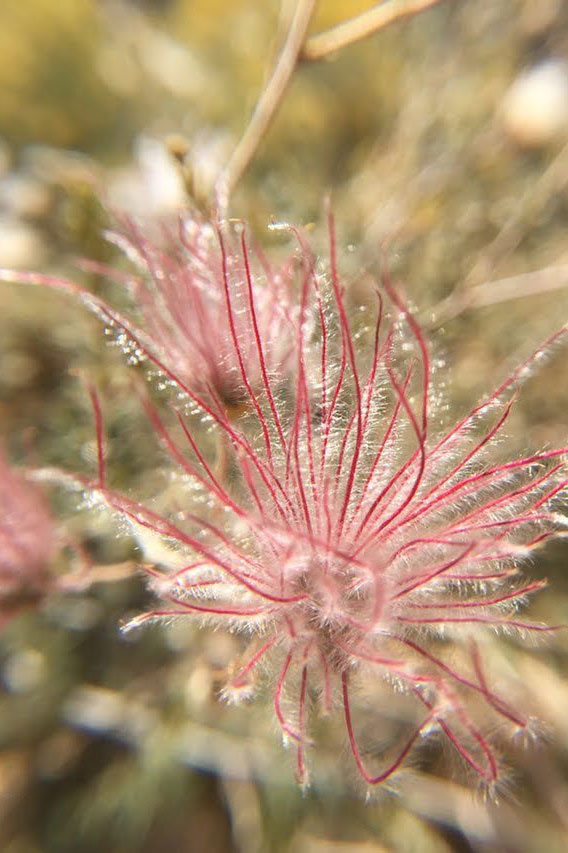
(193, 291)
(339, 531)
(27, 541)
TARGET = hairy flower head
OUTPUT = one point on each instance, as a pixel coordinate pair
(193, 295)
(27, 540)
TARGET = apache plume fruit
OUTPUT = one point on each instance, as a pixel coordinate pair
(334, 527)
(180, 291)
(27, 541)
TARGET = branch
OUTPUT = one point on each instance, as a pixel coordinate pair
(267, 104)
(361, 26)
(501, 290)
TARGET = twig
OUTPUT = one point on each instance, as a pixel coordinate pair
(361, 26)
(297, 48)
(505, 289)
(506, 240)
(267, 104)
(517, 286)
(110, 573)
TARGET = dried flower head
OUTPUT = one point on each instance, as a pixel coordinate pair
(27, 541)
(340, 533)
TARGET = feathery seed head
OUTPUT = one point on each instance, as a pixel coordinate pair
(364, 540)
(27, 540)
(193, 291)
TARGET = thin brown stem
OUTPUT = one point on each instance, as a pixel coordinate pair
(110, 573)
(361, 26)
(504, 243)
(267, 104)
(518, 286)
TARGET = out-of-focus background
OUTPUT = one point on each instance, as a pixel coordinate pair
(445, 138)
